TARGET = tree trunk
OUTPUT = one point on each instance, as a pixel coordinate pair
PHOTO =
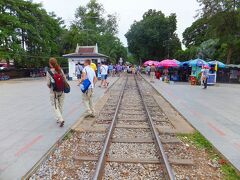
(229, 56)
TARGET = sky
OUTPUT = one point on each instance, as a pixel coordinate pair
(128, 11)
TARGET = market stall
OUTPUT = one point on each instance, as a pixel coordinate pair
(167, 64)
(196, 65)
(214, 66)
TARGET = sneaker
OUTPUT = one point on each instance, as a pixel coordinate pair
(87, 115)
(92, 115)
(62, 124)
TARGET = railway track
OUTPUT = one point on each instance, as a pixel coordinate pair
(131, 141)
(129, 147)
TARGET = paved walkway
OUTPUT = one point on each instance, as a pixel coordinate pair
(28, 128)
(214, 112)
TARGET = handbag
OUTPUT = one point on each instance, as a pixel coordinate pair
(85, 85)
(67, 88)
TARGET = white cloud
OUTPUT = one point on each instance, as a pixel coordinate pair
(129, 10)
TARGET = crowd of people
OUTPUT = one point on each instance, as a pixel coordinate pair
(87, 74)
(166, 76)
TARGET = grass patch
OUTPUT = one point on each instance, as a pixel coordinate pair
(68, 136)
(200, 142)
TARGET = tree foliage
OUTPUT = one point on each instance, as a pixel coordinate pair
(223, 18)
(28, 34)
(197, 33)
(91, 26)
(154, 36)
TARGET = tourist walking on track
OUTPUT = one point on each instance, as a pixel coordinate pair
(152, 72)
(88, 74)
(148, 68)
(104, 74)
(110, 68)
(55, 81)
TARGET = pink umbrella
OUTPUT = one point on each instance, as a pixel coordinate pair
(167, 63)
(150, 62)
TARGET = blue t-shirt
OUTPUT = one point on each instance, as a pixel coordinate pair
(110, 67)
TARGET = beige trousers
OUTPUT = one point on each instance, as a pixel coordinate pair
(57, 100)
(88, 101)
(152, 74)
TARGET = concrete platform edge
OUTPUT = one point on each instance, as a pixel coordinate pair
(238, 171)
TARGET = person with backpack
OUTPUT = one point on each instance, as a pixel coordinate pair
(78, 70)
(87, 83)
(56, 81)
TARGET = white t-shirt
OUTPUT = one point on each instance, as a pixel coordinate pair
(90, 74)
(104, 70)
(205, 73)
(79, 69)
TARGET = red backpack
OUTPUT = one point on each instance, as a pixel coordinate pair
(58, 84)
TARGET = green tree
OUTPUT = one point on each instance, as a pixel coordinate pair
(91, 26)
(197, 33)
(154, 36)
(224, 22)
(187, 54)
(28, 34)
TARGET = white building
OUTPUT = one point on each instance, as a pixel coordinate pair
(81, 54)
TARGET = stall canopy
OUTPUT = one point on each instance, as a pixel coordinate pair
(167, 63)
(219, 64)
(178, 62)
(185, 63)
(198, 62)
(233, 66)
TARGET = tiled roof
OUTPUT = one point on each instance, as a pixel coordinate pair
(85, 50)
(85, 55)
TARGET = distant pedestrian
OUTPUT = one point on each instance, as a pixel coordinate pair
(110, 68)
(88, 73)
(118, 69)
(148, 68)
(55, 81)
(78, 70)
(138, 70)
(45, 70)
(205, 75)
(152, 72)
(133, 69)
(104, 74)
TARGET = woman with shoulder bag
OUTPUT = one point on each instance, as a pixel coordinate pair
(57, 82)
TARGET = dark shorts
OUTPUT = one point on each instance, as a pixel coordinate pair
(103, 77)
(79, 76)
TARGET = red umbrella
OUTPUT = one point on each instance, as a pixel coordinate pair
(167, 63)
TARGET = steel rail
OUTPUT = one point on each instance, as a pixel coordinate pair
(53, 148)
(157, 138)
(102, 159)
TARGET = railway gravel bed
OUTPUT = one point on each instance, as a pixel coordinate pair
(133, 150)
(76, 157)
(128, 171)
(132, 133)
